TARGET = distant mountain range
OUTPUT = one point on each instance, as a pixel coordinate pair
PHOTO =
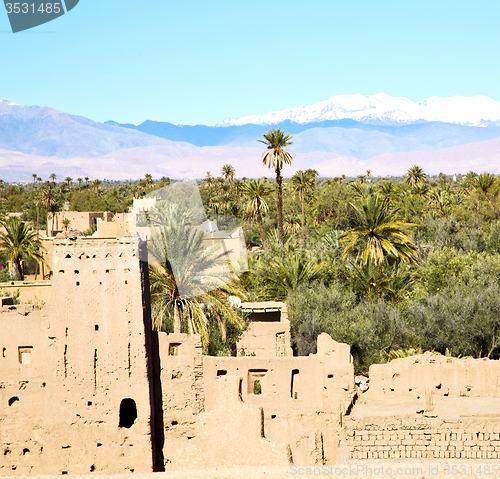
(384, 109)
(343, 135)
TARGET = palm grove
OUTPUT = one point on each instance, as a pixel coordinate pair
(388, 265)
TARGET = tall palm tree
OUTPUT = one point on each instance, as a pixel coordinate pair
(86, 180)
(148, 178)
(68, 180)
(257, 190)
(377, 233)
(415, 176)
(302, 182)
(53, 177)
(80, 183)
(51, 202)
(20, 242)
(35, 176)
(228, 172)
(96, 184)
(276, 157)
(185, 281)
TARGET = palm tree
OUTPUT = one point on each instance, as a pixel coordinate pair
(148, 179)
(302, 182)
(414, 176)
(35, 176)
(80, 183)
(292, 224)
(228, 172)
(20, 242)
(484, 183)
(281, 275)
(53, 177)
(257, 190)
(377, 233)
(276, 157)
(96, 184)
(87, 180)
(51, 202)
(185, 281)
(68, 180)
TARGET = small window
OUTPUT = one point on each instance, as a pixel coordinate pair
(173, 349)
(25, 354)
(96, 327)
(257, 381)
(257, 387)
(128, 413)
(295, 386)
(221, 372)
(4, 352)
(77, 272)
(13, 400)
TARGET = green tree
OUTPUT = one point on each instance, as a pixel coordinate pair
(186, 287)
(276, 157)
(377, 233)
(415, 176)
(20, 242)
(302, 182)
(257, 190)
(228, 172)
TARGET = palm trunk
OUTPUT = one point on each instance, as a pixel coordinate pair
(262, 231)
(18, 270)
(177, 318)
(279, 181)
(302, 200)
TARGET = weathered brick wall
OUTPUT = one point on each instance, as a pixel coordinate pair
(422, 438)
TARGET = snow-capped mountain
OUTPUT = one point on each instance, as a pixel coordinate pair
(384, 109)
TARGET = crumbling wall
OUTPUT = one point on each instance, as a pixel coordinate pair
(74, 387)
(423, 438)
(268, 334)
(303, 398)
(441, 375)
(231, 434)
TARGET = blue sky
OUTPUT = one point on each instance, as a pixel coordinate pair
(199, 62)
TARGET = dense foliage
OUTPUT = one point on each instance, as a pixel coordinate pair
(384, 264)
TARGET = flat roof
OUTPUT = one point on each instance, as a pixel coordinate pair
(264, 306)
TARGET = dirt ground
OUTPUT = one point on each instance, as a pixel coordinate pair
(430, 469)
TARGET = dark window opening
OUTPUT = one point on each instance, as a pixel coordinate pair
(89, 403)
(173, 349)
(77, 272)
(96, 327)
(221, 372)
(257, 387)
(295, 384)
(78, 283)
(12, 400)
(128, 413)
(25, 451)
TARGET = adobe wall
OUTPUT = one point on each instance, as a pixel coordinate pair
(303, 398)
(65, 370)
(445, 376)
(36, 292)
(423, 438)
(268, 334)
(427, 406)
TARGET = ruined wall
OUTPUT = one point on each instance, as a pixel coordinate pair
(74, 375)
(303, 398)
(268, 333)
(423, 438)
(427, 406)
(413, 376)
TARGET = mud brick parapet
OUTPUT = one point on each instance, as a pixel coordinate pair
(423, 438)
